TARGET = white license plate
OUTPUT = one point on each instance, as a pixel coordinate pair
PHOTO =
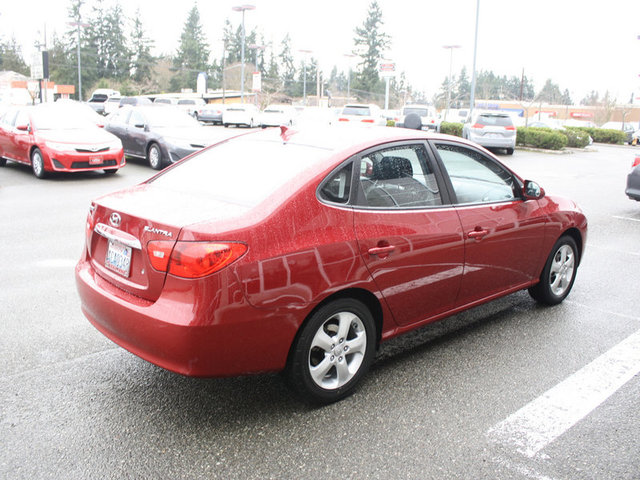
(95, 160)
(118, 258)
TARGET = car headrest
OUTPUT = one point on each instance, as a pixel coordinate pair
(392, 167)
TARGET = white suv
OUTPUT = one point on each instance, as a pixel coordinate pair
(491, 130)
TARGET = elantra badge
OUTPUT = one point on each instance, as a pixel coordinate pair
(115, 219)
(158, 231)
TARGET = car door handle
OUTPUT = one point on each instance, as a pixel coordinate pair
(386, 250)
(477, 234)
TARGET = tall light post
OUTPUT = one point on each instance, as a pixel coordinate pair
(349, 57)
(450, 47)
(79, 24)
(475, 51)
(242, 8)
(304, 81)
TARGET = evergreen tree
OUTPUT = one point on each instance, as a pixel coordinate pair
(142, 62)
(287, 68)
(108, 41)
(550, 93)
(62, 67)
(192, 56)
(566, 98)
(370, 44)
(11, 57)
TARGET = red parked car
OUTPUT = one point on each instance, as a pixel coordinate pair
(304, 250)
(57, 138)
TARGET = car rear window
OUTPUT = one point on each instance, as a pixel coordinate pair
(423, 112)
(98, 98)
(241, 171)
(362, 111)
(495, 120)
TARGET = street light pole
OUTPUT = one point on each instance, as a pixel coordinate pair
(79, 24)
(304, 81)
(450, 47)
(242, 8)
(349, 56)
(475, 51)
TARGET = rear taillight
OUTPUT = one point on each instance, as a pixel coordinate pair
(342, 119)
(367, 120)
(477, 125)
(636, 162)
(193, 259)
(510, 128)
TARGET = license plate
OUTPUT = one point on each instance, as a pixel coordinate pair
(95, 160)
(118, 258)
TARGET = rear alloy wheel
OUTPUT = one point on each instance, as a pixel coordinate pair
(333, 351)
(558, 274)
(154, 156)
(37, 163)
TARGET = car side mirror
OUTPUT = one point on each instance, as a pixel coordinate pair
(23, 128)
(139, 125)
(532, 191)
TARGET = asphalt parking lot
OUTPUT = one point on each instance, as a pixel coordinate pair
(508, 390)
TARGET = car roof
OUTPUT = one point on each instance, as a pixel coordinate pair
(340, 138)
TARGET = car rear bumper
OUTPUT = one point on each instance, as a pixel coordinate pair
(493, 142)
(186, 331)
(633, 185)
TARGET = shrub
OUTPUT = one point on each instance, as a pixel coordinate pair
(451, 128)
(603, 135)
(576, 138)
(541, 138)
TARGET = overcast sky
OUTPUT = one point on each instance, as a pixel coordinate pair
(582, 45)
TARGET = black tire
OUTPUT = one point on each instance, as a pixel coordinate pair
(558, 274)
(3, 162)
(37, 163)
(509, 151)
(226, 125)
(154, 156)
(341, 359)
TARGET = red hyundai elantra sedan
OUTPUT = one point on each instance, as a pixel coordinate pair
(302, 251)
(57, 138)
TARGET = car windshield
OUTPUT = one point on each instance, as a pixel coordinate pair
(423, 112)
(186, 102)
(495, 120)
(98, 98)
(170, 117)
(353, 110)
(59, 119)
(243, 171)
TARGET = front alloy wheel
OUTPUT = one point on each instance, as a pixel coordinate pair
(155, 157)
(333, 351)
(558, 274)
(37, 163)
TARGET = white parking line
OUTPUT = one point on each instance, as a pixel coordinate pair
(540, 422)
(626, 218)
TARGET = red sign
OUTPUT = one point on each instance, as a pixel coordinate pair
(581, 115)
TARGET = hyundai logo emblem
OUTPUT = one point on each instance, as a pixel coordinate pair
(115, 219)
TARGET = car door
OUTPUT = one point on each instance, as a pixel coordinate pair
(118, 126)
(21, 139)
(502, 230)
(137, 134)
(6, 132)
(408, 234)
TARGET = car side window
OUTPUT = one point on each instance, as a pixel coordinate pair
(337, 187)
(398, 177)
(476, 178)
(136, 119)
(22, 119)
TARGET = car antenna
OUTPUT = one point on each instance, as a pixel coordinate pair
(286, 133)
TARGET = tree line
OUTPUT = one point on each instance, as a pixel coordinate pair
(116, 52)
